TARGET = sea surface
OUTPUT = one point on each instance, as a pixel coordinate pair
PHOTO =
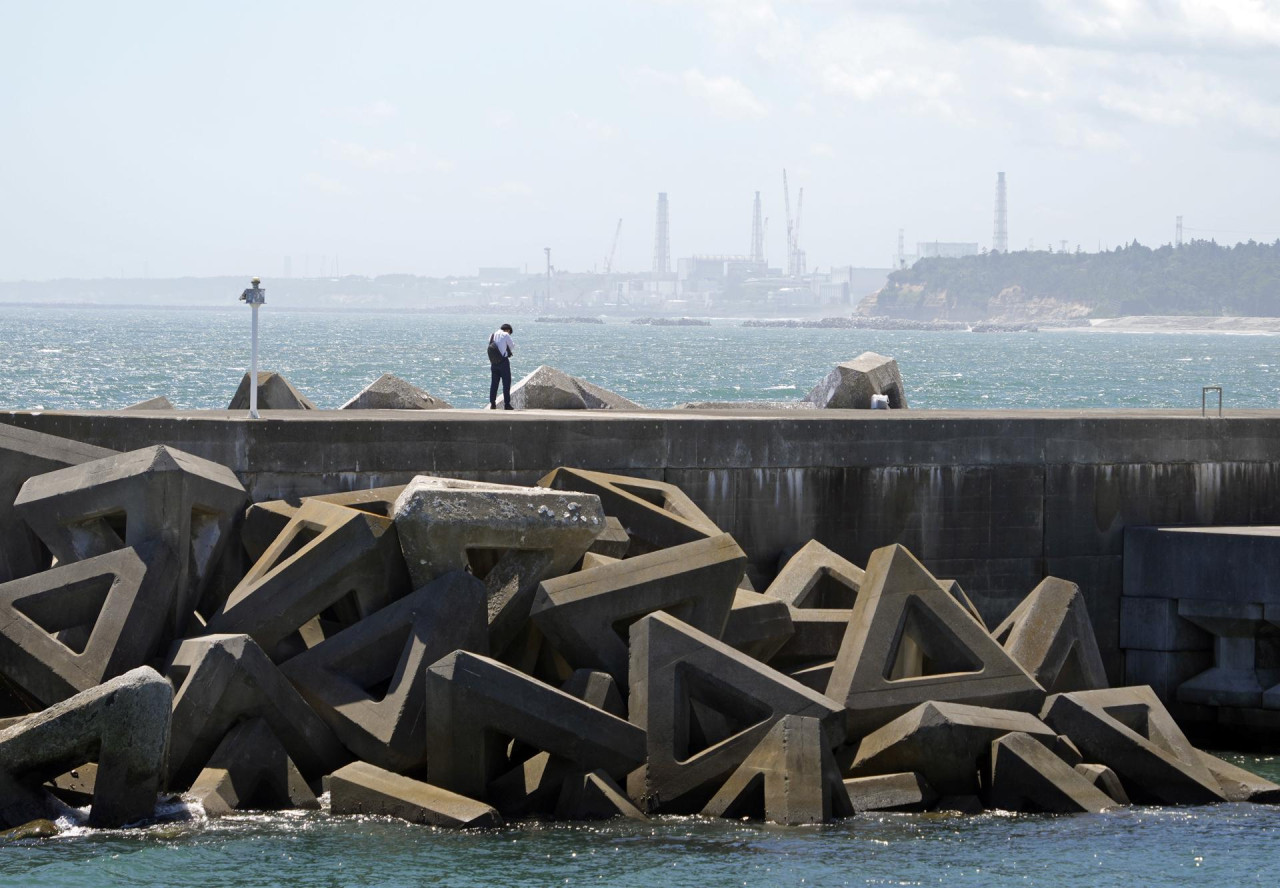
(105, 358)
(67, 358)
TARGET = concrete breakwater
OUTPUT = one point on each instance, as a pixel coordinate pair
(458, 652)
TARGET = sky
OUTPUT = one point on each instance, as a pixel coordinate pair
(171, 139)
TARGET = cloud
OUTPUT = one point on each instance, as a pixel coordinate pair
(328, 185)
(726, 96)
(401, 160)
(822, 149)
(596, 129)
(504, 191)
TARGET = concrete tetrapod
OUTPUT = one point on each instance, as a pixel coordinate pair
(594, 796)
(679, 676)
(1130, 731)
(443, 521)
(23, 454)
(758, 625)
(69, 628)
(389, 392)
(946, 743)
(265, 521)
(583, 613)
(909, 641)
(819, 588)
(367, 682)
(250, 771)
(789, 778)
(547, 388)
(327, 559)
(274, 393)
(852, 383)
(890, 792)
(477, 703)
(224, 679)
(1025, 776)
(362, 788)
(654, 514)
(1049, 634)
(153, 495)
(122, 725)
(1239, 785)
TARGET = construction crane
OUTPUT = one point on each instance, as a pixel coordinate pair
(608, 263)
(786, 198)
(797, 260)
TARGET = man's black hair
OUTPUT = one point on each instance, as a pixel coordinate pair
(506, 327)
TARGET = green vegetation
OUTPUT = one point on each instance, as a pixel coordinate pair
(1198, 278)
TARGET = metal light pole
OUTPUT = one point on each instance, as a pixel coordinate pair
(254, 297)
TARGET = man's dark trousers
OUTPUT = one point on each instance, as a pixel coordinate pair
(501, 372)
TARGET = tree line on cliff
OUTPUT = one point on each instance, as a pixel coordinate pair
(1198, 278)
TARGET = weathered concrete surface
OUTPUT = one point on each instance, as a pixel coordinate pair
(389, 392)
(156, 494)
(367, 681)
(1050, 636)
(994, 499)
(1025, 776)
(582, 613)
(890, 792)
(852, 383)
(594, 796)
(1239, 785)
(362, 788)
(946, 743)
(274, 393)
(121, 724)
(159, 402)
(679, 678)
(547, 388)
(443, 521)
(250, 770)
(23, 454)
(909, 641)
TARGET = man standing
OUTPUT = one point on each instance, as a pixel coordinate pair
(501, 348)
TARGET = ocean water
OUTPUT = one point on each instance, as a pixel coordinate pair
(98, 358)
(67, 358)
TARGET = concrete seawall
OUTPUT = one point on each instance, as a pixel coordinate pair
(996, 500)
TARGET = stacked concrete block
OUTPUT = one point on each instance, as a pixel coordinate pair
(24, 454)
(906, 791)
(122, 725)
(331, 562)
(389, 392)
(1050, 636)
(908, 642)
(250, 770)
(1025, 776)
(819, 588)
(156, 495)
(1236, 678)
(362, 788)
(547, 388)
(274, 393)
(853, 384)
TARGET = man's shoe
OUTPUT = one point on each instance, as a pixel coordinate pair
(493, 405)
(507, 407)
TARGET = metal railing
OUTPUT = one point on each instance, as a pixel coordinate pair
(1204, 399)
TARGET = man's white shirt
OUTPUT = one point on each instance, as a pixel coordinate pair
(502, 339)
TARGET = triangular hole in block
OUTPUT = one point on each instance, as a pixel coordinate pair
(648, 494)
(829, 592)
(750, 802)
(69, 612)
(925, 645)
(734, 711)
(1134, 716)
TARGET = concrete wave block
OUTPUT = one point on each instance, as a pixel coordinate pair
(654, 514)
(250, 771)
(547, 388)
(274, 393)
(367, 681)
(1025, 776)
(441, 520)
(263, 522)
(510, 587)
(69, 628)
(1049, 634)
(816, 577)
(907, 791)
(122, 725)
(816, 637)
(852, 383)
(1239, 785)
(675, 671)
(584, 613)
(1130, 731)
(594, 796)
(389, 392)
(224, 679)
(24, 454)
(362, 788)
(909, 641)
(328, 558)
(1236, 678)
(952, 588)
(758, 625)
(613, 541)
(153, 495)
(477, 703)
(1105, 780)
(159, 402)
(946, 743)
(790, 778)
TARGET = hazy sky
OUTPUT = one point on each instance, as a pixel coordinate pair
(209, 138)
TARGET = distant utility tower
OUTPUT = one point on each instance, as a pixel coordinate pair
(757, 232)
(1177, 239)
(1000, 240)
(662, 238)
(902, 259)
